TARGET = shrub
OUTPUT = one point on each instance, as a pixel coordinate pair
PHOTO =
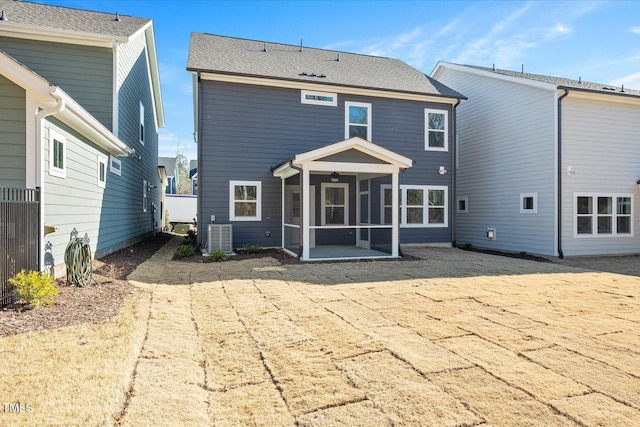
(218, 255)
(34, 288)
(184, 251)
(251, 249)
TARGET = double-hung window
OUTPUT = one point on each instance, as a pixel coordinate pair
(57, 154)
(245, 200)
(141, 123)
(357, 120)
(436, 130)
(603, 215)
(335, 203)
(420, 205)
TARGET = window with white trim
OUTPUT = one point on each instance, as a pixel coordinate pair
(144, 195)
(436, 136)
(600, 215)
(115, 165)
(463, 205)
(420, 205)
(245, 200)
(529, 203)
(335, 203)
(357, 120)
(319, 98)
(102, 171)
(57, 154)
(141, 123)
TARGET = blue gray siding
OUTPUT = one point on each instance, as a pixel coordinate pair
(12, 135)
(84, 72)
(245, 130)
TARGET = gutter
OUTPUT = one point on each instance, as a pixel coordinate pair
(56, 109)
(566, 92)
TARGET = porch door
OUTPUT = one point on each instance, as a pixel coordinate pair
(363, 208)
(312, 216)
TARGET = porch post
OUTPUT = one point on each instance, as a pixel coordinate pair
(305, 211)
(395, 217)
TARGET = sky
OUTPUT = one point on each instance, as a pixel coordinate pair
(598, 41)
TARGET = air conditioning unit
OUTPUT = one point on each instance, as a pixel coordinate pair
(220, 237)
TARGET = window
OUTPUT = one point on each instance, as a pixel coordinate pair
(529, 203)
(357, 120)
(420, 205)
(603, 215)
(335, 203)
(141, 123)
(319, 98)
(102, 171)
(144, 195)
(245, 200)
(57, 154)
(436, 133)
(115, 165)
(463, 205)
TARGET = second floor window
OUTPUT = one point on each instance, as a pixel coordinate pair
(141, 124)
(436, 132)
(357, 120)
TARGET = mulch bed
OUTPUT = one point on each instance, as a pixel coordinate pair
(75, 305)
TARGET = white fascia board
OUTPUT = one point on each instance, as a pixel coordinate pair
(470, 70)
(154, 71)
(616, 97)
(346, 167)
(9, 29)
(350, 90)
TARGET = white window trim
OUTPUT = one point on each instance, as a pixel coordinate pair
(323, 187)
(142, 129)
(466, 205)
(305, 93)
(403, 207)
(102, 160)
(348, 104)
(614, 216)
(426, 130)
(534, 210)
(115, 165)
(54, 171)
(232, 215)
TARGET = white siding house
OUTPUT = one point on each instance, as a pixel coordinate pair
(539, 154)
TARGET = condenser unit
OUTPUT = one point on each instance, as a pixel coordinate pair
(220, 237)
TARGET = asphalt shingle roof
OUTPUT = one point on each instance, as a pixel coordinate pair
(236, 56)
(63, 18)
(563, 83)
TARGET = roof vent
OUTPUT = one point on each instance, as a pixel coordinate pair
(264, 49)
(338, 58)
(301, 49)
(607, 88)
(117, 18)
(580, 80)
(494, 67)
(323, 76)
(622, 89)
(304, 73)
(2, 17)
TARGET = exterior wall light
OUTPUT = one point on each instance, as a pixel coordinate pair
(335, 177)
(442, 170)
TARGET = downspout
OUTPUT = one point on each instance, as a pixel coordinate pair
(196, 138)
(302, 211)
(454, 174)
(566, 92)
(56, 109)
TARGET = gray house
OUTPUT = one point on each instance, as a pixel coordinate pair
(547, 165)
(80, 108)
(170, 164)
(326, 154)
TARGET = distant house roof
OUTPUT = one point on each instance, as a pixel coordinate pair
(234, 56)
(559, 82)
(63, 18)
(170, 165)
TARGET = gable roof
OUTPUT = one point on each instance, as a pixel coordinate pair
(243, 57)
(35, 15)
(170, 165)
(558, 82)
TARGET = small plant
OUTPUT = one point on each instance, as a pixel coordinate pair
(251, 249)
(184, 251)
(34, 288)
(218, 255)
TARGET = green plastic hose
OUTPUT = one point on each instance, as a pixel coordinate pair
(77, 257)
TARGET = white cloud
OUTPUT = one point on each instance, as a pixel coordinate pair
(631, 81)
(170, 143)
(635, 30)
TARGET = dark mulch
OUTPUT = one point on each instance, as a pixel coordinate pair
(519, 255)
(75, 305)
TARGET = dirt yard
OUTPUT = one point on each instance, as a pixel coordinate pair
(455, 338)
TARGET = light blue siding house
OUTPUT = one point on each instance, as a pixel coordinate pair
(80, 108)
(326, 154)
(547, 165)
